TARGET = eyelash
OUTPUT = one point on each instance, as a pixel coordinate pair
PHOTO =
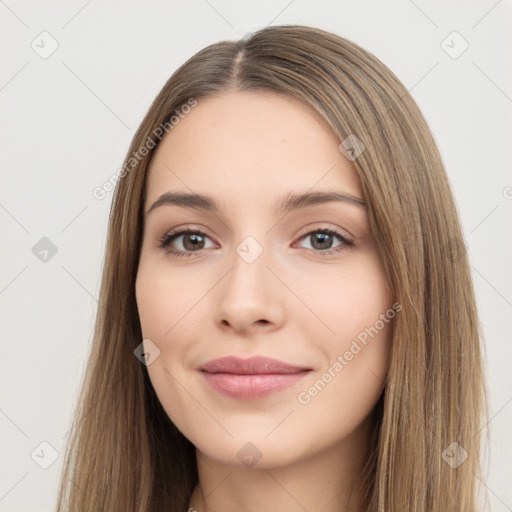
(169, 237)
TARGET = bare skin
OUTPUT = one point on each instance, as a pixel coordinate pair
(293, 302)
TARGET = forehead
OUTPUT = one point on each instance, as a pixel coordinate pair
(249, 145)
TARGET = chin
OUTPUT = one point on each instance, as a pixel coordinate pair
(253, 451)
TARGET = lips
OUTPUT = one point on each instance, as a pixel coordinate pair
(251, 378)
(256, 365)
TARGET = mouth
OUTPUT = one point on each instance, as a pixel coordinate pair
(251, 378)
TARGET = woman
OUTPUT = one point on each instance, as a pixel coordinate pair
(287, 316)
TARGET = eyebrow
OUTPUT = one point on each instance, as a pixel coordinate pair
(293, 201)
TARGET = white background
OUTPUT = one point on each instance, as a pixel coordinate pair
(66, 122)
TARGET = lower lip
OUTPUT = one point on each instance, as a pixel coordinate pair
(248, 387)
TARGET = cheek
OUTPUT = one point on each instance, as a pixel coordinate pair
(162, 306)
(347, 300)
(356, 306)
(164, 297)
(169, 305)
(347, 387)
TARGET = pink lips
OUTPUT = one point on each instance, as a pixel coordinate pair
(251, 378)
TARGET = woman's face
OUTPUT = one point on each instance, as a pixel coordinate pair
(257, 279)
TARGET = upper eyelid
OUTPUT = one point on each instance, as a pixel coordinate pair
(326, 227)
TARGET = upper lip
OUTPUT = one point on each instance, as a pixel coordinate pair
(255, 365)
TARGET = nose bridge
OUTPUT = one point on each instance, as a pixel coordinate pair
(248, 293)
(250, 250)
(249, 266)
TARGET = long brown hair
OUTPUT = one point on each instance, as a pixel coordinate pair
(124, 452)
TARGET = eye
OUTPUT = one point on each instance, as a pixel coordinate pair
(192, 241)
(322, 240)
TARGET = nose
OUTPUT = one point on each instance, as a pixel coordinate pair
(250, 297)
